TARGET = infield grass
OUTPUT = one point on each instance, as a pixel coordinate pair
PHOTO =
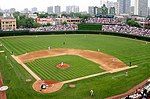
(79, 67)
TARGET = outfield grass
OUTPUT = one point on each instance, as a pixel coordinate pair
(125, 49)
(46, 68)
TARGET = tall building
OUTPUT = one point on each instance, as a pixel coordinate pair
(57, 9)
(112, 11)
(111, 4)
(34, 9)
(96, 10)
(124, 6)
(91, 10)
(132, 10)
(141, 7)
(70, 9)
(1, 10)
(149, 11)
(6, 11)
(50, 10)
(12, 10)
(116, 5)
(26, 10)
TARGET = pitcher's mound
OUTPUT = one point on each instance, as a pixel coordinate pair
(50, 86)
(63, 66)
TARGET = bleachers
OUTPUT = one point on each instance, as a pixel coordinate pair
(141, 93)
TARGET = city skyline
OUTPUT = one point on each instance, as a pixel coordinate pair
(43, 4)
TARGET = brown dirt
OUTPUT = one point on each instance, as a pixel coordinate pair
(64, 66)
(2, 94)
(53, 86)
(107, 62)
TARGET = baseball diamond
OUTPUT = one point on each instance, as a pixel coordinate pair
(107, 65)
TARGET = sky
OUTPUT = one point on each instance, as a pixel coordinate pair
(43, 4)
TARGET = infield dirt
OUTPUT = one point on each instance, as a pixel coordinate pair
(106, 62)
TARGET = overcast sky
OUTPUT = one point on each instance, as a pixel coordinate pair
(43, 4)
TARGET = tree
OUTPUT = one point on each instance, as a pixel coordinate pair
(64, 23)
(65, 15)
(131, 22)
(35, 25)
(1, 14)
(53, 15)
(43, 15)
(16, 14)
(48, 24)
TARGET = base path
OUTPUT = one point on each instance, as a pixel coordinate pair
(26, 68)
(106, 62)
(2, 94)
(1, 51)
(85, 77)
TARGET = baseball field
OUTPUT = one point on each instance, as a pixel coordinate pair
(20, 81)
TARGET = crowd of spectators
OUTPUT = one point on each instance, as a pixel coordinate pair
(127, 30)
(66, 27)
(105, 20)
(141, 93)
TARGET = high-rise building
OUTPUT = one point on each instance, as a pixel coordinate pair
(12, 10)
(141, 7)
(1, 10)
(57, 9)
(70, 9)
(91, 10)
(124, 6)
(6, 11)
(96, 10)
(149, 11)
(112, 11)
(111, 4)
(116, 5)
(34, 9)
(132, 10)
(50, 10)
(26, 10)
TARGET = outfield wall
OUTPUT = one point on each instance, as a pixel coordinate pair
(21, 33)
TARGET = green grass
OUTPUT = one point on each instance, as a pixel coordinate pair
(125, 49)
(1, 48)
(46, 68)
